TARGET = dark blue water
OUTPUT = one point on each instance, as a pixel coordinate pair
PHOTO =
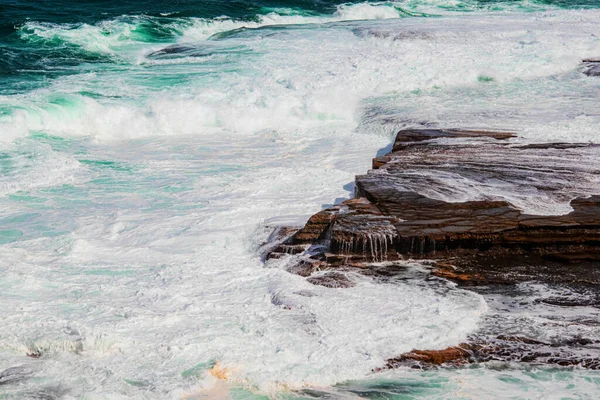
(15, 13)
(20, 55)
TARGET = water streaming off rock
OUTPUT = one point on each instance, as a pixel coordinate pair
(144, 147)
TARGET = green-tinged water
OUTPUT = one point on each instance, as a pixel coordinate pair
(147, 146)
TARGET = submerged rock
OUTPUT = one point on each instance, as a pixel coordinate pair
(331, 280)
(592, 66)
(15, 374)
(172, 49)
(592, 70)
(393, 35)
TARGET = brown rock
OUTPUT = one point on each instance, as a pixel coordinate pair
(502, 348)
(315, 227)
(404, 138)
(455, 355)
(390, 218)
(399, 212)
(306, 267)
(444, 270)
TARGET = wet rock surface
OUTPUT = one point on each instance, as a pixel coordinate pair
(593, 70)
(406, 207)
(592, 66)
(331, 280)
(502, 349)
(538, 324)
(441, 196)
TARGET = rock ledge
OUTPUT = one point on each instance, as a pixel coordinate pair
(483, 240)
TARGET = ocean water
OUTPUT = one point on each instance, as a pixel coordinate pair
(147, 146)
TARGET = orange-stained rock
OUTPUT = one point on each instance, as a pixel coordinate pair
(437, 357)
(503, 348)
(450, 273)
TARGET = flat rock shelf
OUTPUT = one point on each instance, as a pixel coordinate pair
(481, 209)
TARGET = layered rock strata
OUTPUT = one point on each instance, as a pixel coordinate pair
(502, 348)
(406, 207)
(456, 198)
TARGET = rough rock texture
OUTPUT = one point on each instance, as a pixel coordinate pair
(503, 349)
(441, 196)
(399, 213)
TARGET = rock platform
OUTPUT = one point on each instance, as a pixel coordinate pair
(456, 198)
(399, 211)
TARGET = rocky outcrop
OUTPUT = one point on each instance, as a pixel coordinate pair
(592, 70)
(405, 208)
(592, 66)
(449, 198)
(501, 349)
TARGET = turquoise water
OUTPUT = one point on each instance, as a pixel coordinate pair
(146, 147)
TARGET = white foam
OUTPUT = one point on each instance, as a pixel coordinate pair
(158, 273)
(147, 292)
(101, 38)
(43, 169)
(112, 36)
(429, 68)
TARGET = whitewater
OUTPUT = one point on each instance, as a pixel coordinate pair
(145, 158)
